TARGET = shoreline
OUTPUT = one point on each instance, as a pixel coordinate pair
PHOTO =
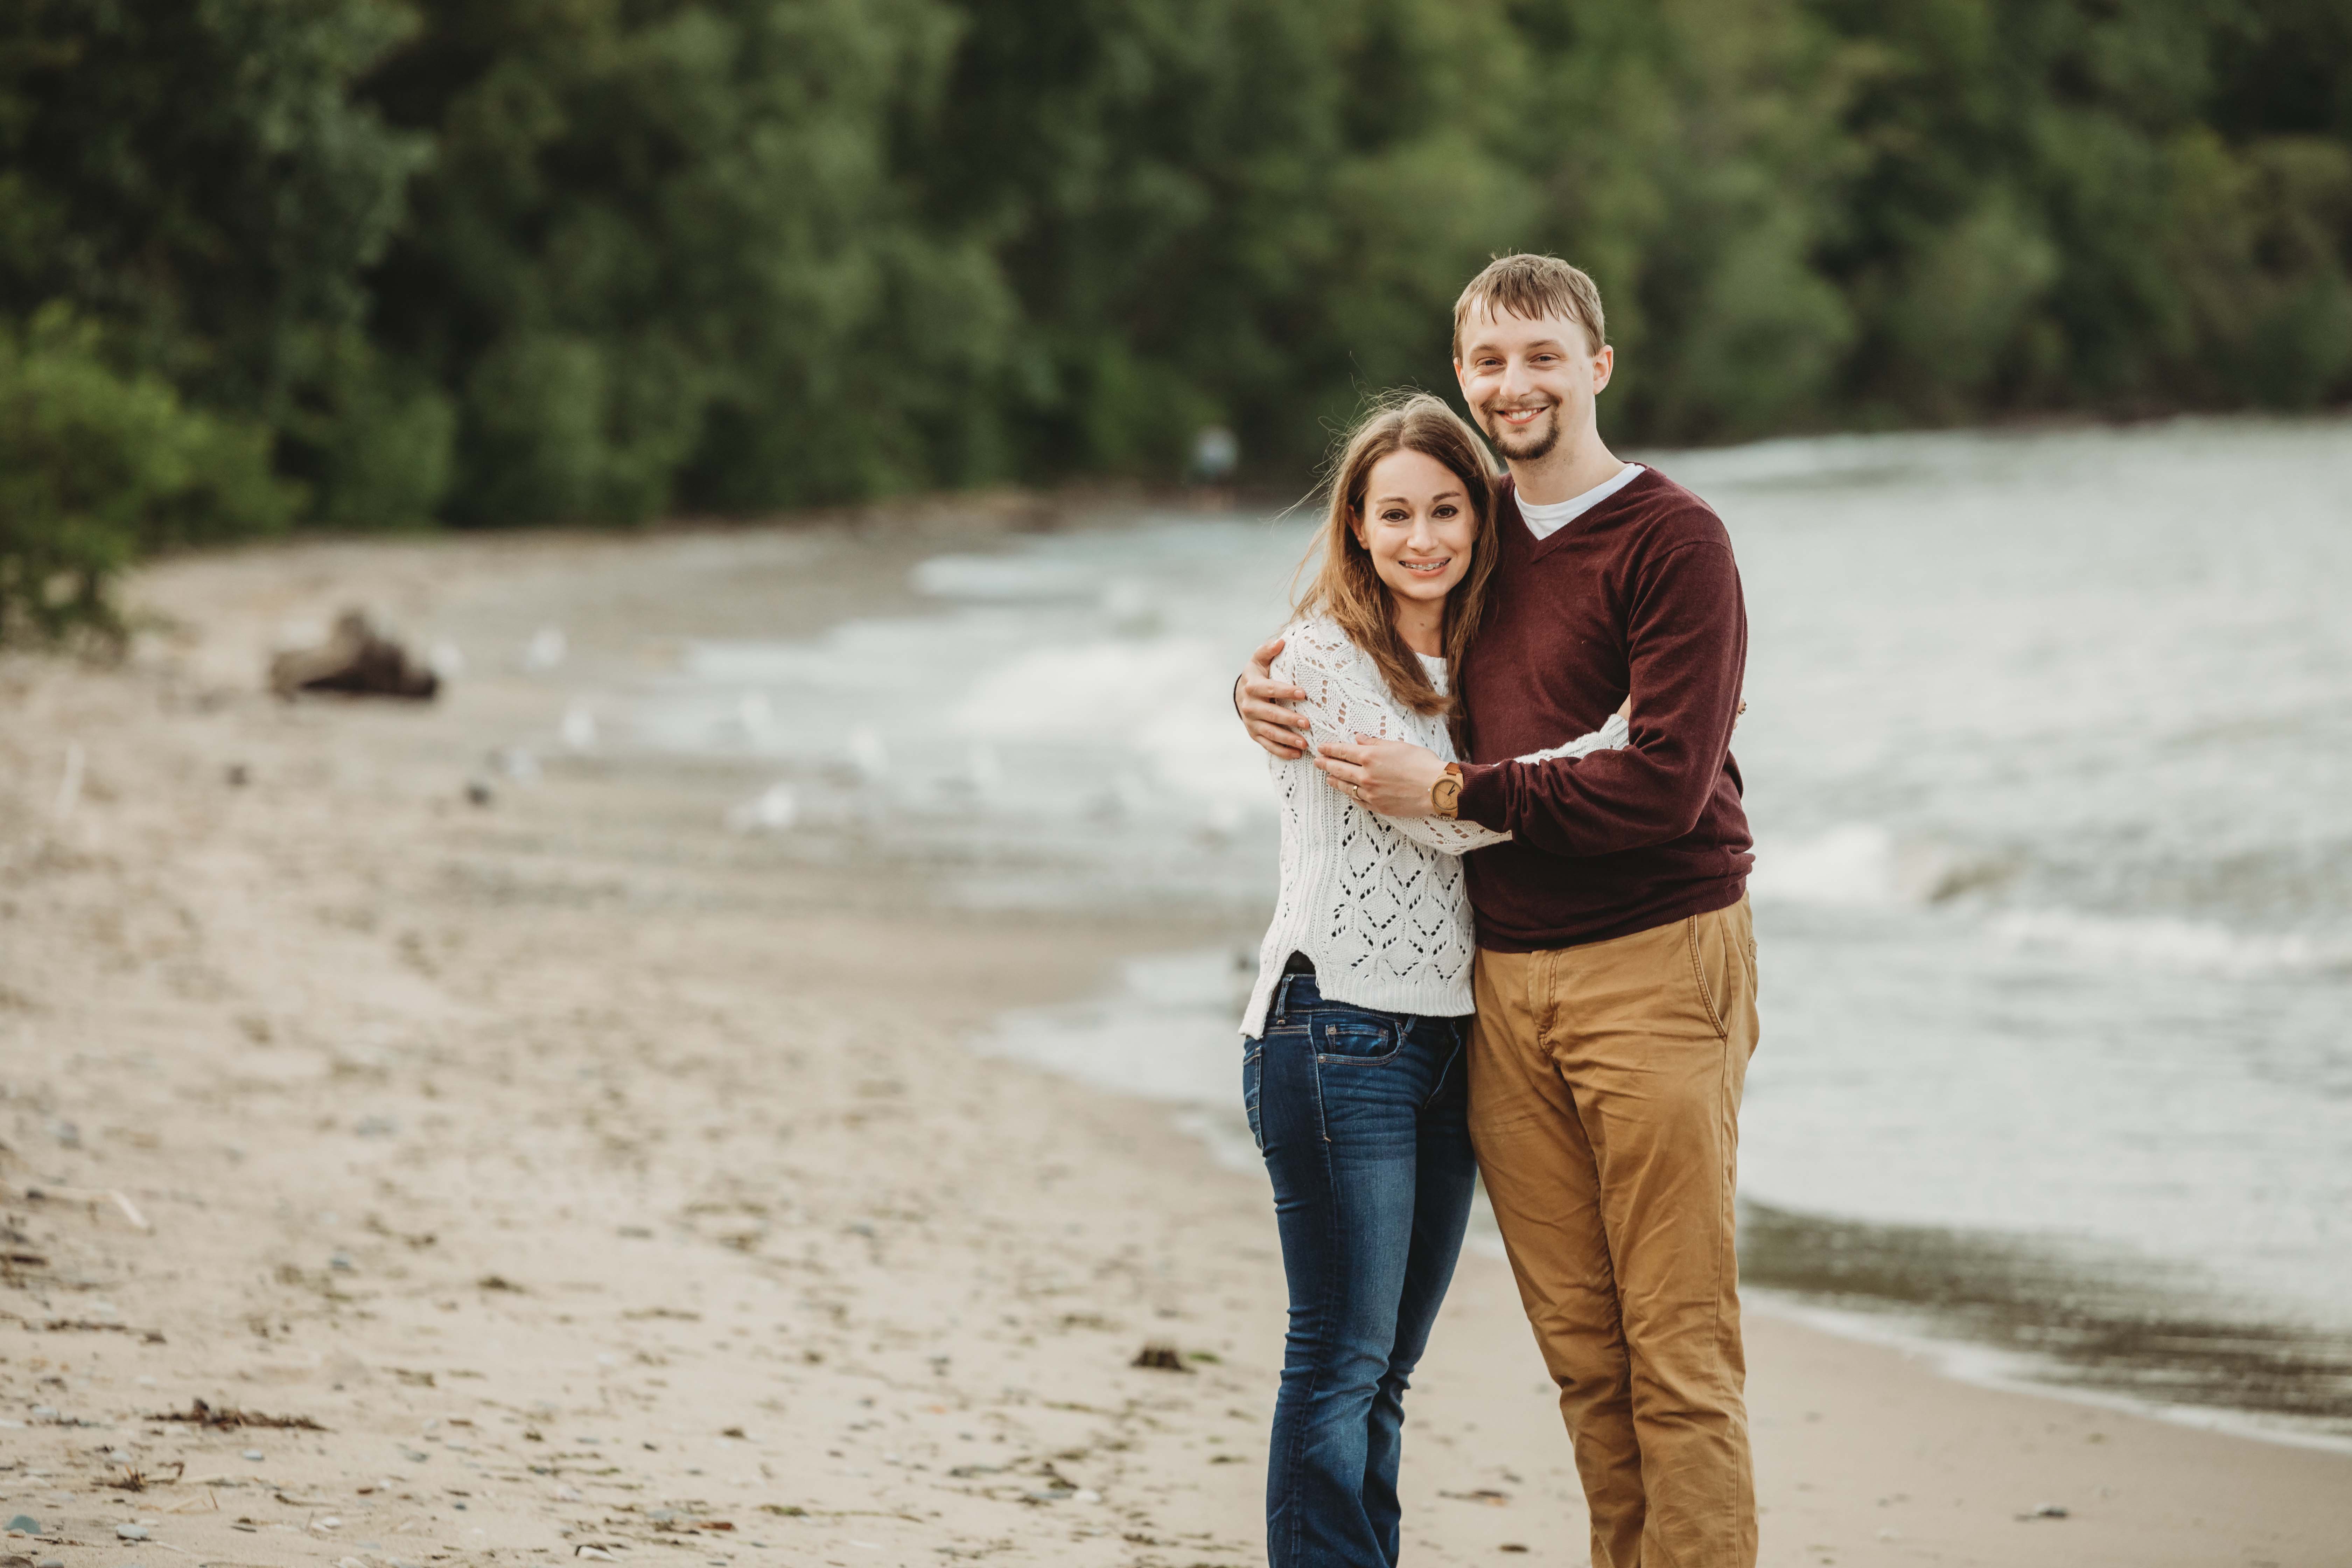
(601, 1177)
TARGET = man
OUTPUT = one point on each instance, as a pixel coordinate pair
(1616, 973)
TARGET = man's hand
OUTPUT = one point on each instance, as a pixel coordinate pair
(1257, 696)
(1389, 776)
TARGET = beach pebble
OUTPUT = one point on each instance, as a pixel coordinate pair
(252, 1453)
(50, 1563)
(132, 1531)
(25, 1523)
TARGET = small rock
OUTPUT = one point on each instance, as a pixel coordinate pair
(119, 1457)
(2046, 1511)
(342, 1263)
(25, 1523)
(479, 793)
(132, 1531)
(252, 1453)
(375, 1127)
(567, 1494)
(1161, 1356)
(239, 775)
(50, 1563)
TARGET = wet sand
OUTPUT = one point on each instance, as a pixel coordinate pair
(606, 1184)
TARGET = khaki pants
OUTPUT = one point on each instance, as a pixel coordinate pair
(1604, 1103)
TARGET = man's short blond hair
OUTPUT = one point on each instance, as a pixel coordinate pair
(1531, 288)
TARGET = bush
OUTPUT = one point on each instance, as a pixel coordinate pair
(96, 467)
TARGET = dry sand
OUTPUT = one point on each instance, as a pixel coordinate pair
(607, 1185)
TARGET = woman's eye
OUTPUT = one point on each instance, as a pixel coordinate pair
(1446, 511)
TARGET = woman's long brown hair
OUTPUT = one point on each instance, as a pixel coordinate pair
(1348, 589)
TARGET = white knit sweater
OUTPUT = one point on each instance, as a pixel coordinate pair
(1377, 903)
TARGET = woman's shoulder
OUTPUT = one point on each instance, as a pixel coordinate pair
(1315, 637)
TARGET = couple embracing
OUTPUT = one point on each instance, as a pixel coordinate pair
(1512, 941)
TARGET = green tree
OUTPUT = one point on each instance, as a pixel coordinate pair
(96, 467)
(663, 256)
(196, 177)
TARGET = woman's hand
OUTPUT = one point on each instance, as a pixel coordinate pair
(1389, 776)
(1258, 697)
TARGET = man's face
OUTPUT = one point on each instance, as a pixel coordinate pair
(1529, 382)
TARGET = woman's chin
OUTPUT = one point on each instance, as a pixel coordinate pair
(1423, 592)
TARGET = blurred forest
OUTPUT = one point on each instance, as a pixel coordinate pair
(362, 263)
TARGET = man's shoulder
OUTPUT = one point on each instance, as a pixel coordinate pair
(1660, 515)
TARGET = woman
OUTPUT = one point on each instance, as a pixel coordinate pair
(1351, 1061)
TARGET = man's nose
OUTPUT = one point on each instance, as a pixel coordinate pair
(1516, 378)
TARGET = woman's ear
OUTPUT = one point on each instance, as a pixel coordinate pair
(1356, 528)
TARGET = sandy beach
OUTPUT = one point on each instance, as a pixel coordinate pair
(595, 1182)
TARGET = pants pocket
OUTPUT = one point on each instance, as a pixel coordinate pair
(1253, 1082)
(1710, 938)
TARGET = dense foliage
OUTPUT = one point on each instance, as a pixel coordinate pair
(489, 261)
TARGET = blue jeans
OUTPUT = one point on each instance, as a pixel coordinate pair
(1361, 1117)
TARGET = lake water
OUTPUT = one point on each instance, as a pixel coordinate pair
(2048, 755)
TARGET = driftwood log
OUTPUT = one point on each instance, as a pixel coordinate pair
(357, 659)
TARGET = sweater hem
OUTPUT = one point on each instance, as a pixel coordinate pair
(1703, 900)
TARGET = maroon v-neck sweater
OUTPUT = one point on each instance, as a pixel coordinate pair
(1639, 594)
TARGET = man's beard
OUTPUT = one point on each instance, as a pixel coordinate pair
(1516, 449)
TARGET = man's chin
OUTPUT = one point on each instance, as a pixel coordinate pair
(1531, 448)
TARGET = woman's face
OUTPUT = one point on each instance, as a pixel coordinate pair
(1418, 526)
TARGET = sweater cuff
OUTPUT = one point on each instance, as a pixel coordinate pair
(1482, 795)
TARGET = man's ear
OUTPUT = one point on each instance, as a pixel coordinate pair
(1605, 364)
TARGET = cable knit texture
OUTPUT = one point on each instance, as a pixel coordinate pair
(1377, 903)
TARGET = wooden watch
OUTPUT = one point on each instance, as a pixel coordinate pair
(1445, 794)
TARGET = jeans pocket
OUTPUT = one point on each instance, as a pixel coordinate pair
(1356, 1038)
(1253, 1083)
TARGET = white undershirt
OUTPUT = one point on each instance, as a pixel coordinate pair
(1543, 521)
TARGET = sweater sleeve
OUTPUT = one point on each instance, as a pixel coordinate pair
(1686, 642)
(1339, 706)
